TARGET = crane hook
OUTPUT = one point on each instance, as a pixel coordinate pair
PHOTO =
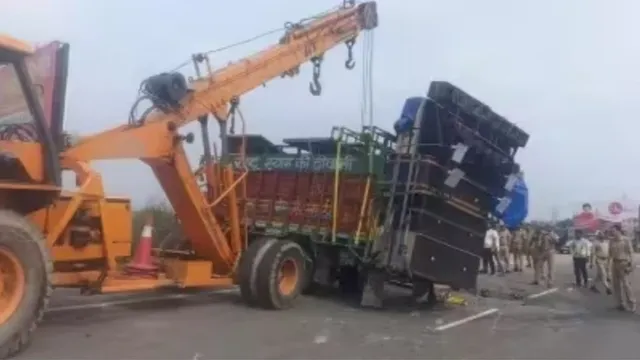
(350, 63)
(315, 88)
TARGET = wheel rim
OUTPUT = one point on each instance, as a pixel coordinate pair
(288, 277)
(11, 284)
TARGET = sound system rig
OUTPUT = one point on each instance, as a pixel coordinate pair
(452, 166)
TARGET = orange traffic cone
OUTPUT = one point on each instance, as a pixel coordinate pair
(142, 263)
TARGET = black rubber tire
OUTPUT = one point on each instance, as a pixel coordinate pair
(268, 292)
(27, 243)
(248, 268)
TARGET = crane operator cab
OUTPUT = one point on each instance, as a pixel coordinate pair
(32, 86)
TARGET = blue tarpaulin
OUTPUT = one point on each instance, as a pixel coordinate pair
(518, 209)
(408, 115)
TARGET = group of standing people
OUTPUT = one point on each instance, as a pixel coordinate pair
(610, 252)
(506, 251)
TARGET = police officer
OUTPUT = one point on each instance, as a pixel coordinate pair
(535, 249)
(526, 240)
(542, 250)
(503, 251)
(621, 257)
(517, 243)
(600, 258)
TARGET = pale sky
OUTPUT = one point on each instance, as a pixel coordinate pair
(565, 71)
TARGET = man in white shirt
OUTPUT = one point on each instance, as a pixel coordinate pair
(581, 252)
(491, 245)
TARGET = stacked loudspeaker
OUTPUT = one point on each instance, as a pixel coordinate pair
(452, 166)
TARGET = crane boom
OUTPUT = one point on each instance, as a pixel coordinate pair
(156, 140)
(213, 93)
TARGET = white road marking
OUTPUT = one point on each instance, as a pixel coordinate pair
(467, 319)
(542, 293)
(320, 339)
(108, 304)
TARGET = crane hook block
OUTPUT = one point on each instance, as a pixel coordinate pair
(166, 89)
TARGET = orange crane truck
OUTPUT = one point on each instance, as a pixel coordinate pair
(51, 238)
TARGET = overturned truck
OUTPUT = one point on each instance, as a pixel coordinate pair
(370, 207)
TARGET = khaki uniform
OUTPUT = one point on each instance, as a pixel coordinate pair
(621, 255)
(517, 243)
(503, 251)
(600, 258)
(542, 250)
(526, 241)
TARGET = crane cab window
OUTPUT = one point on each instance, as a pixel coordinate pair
(16, 119)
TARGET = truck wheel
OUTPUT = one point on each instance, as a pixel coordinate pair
(281, 275)
(25, 281)
(248, 268)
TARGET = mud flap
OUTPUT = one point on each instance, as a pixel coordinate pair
(373, 293)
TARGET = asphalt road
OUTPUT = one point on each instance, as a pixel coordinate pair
(562, 323)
